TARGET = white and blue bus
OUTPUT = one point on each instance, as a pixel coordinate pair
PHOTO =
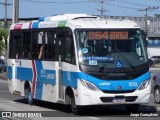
(85, 61)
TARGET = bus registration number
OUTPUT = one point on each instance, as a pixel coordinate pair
(119, 100)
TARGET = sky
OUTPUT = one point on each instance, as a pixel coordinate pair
(42, 8)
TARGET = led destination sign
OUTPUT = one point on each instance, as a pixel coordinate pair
(112, 35)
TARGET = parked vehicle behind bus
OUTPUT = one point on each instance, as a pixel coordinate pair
(156, 88)
(155, 59)
(85, 61)
(3, 66)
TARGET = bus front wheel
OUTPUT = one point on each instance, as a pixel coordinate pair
(75, 108)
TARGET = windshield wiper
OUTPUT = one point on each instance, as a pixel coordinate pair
(101, 69)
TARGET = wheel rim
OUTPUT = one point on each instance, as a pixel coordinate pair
(157, 95)
(29, 96)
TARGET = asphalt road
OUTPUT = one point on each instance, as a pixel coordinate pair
(17, 104)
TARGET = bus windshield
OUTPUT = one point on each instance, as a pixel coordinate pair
(114, 48)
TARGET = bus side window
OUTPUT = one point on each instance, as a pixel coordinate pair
(69, 52)
(50, 44)
(15, 44)
(36, 43)
(26, 45)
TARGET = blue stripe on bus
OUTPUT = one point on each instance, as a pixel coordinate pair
(35, 24)
(41, 19)
(70, 79)
(39, 81)
(113, 84)
(39, 69)
(39, 90)
(43, 75)
(9, 72)
(24, 73)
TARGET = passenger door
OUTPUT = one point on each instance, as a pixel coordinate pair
(66, 60)
(59, 48)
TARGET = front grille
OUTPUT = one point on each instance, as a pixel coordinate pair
(117, 92)
(116, 74)
(127, 98)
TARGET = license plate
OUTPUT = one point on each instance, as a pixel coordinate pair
(119, 100)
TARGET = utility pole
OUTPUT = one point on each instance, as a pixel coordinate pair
(6, 4)
(102, 10)
(146, 16)
(5, 21)
(15, 11)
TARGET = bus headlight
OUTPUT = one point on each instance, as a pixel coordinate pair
(144, 85)
(89, 85)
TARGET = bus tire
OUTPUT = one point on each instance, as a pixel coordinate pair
(132, 108)
(29, 96)
(75, 108)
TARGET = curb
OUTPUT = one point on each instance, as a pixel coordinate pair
(3, 78)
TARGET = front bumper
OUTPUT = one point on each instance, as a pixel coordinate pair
(89, 97)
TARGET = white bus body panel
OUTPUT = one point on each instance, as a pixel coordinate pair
(89, 97)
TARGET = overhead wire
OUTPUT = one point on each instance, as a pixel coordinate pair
(138, 5)
(131, 3)
(69, 2)
(1, 3)
(121, 6)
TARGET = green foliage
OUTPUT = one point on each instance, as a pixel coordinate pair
(3, 33)
(2, 47)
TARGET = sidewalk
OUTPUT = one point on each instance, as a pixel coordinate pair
(3, 76)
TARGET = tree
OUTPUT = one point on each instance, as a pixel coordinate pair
(2, 47)
(3, 33)
(3, 44)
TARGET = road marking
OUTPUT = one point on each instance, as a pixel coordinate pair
(3, 81)
(12, 102)
(33, 106)
(95, 118)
